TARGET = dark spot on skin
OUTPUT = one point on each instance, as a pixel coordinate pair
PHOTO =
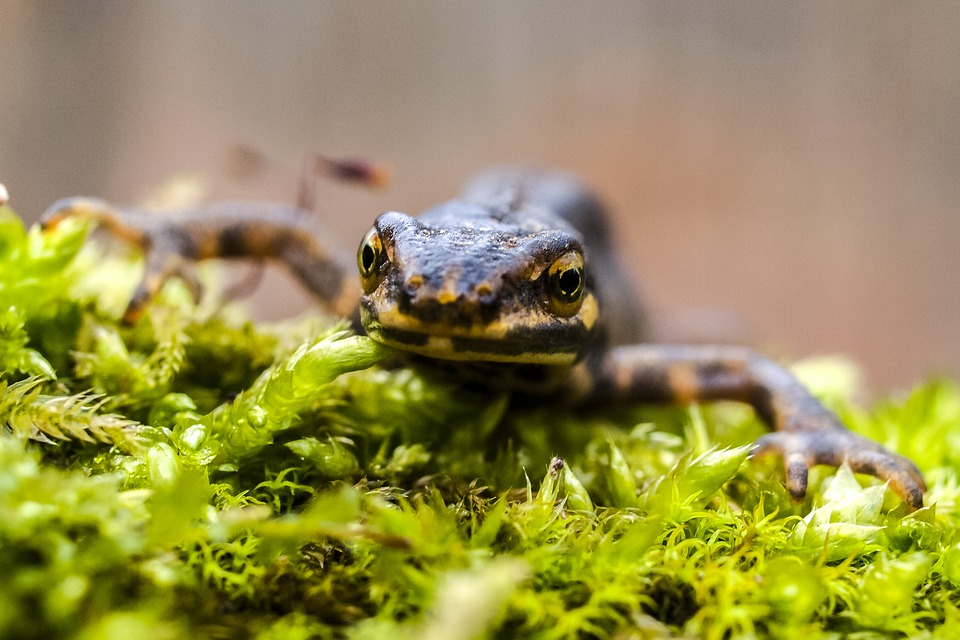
(232, 241)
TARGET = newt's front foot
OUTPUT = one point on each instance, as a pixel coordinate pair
(803, 449)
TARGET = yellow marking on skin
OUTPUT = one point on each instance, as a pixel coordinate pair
(414, 282)
(683, 382)
(207, 245)
(589, 311)
(553, 359)
(132, 314)
(259, 240)
(127, 233)
(448, 289)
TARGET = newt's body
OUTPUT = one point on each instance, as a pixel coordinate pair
(516, 279)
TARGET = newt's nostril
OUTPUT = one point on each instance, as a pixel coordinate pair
(485, 293)
(413, 285)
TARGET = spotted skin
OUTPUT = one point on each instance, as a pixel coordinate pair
(806, 433)
(513, 283)
(172, 241)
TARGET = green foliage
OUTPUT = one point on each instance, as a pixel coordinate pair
(35, 276)
(28, 413)
(199, 475)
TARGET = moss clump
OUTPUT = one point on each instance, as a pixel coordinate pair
(198, 475)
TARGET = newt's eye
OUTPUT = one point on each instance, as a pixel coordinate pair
(566, 279)
(369, 256)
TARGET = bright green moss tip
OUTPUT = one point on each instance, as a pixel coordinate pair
(199, 475)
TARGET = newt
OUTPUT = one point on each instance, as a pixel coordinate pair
(515, 282)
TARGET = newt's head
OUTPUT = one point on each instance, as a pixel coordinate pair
(458, 284)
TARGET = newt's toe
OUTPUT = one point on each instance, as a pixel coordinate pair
(796, 476)
(802, 450)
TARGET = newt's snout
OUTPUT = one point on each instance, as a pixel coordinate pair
(450, 303)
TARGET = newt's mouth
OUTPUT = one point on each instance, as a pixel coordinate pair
(559, 343)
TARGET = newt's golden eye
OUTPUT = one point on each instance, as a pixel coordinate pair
(566, 279)
(369, 256)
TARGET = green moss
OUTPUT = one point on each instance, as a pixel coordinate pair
(199, 475)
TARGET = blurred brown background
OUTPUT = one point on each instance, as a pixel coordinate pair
(795, 164)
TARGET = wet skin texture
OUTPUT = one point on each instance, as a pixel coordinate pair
(515, 281)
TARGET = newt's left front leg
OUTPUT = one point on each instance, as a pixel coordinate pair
(806, 434)
(260, 231)
(172, 241)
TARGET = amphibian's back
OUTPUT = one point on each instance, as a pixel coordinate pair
(561, 195)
